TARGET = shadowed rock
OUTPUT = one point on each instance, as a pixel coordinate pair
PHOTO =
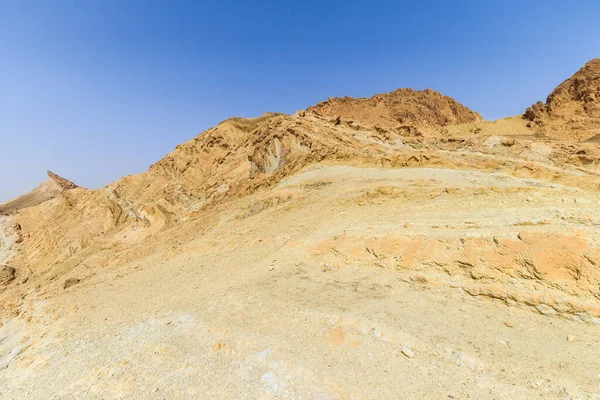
(7, 275)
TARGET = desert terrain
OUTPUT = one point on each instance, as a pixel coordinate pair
(396, 247)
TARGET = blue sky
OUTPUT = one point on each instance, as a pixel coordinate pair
(98, 89)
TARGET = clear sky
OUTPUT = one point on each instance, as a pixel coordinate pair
(97, 89)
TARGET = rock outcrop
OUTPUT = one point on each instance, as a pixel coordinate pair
(404, 110)
(48, 190)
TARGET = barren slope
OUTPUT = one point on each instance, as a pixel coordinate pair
(313, 289)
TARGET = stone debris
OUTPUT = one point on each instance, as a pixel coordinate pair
(407, 352)
(70, 282)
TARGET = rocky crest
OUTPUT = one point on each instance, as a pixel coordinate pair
(62, 182)
(405, 110)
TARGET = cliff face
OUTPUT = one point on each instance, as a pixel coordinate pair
(572, 110)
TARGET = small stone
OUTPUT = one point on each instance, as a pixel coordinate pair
(271, 268)
(71, 282)
(7, 274)
(571, 338)
(407, 352)
(328, 267)
(509, 324)
(545, 309)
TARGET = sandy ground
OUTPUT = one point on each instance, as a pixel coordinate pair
(264, 298)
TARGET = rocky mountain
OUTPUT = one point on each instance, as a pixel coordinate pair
(572, 110)
(322, 254)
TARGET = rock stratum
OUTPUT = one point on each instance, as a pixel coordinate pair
(352, 250)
